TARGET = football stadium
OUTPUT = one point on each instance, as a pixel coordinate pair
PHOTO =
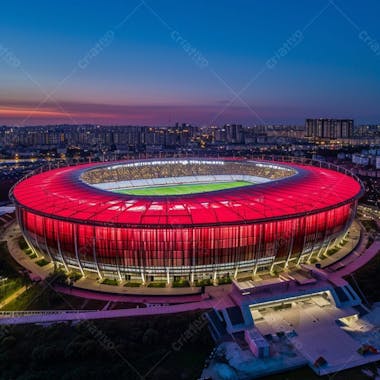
(185, 218)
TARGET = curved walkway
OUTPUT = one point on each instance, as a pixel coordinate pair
(11, 236)
(104, 314)
(357, 238)
(138, 298)
(219, 298)
(359, 260)
(216, 297)
(89, 284)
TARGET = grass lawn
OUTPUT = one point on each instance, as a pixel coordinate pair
(9, 287)
(42, 297)
(157, 285)
(9, 269)
(110, 281)
(191, 188)
(132, 284)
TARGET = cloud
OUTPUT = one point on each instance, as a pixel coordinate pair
(29, 112)
(26, 112)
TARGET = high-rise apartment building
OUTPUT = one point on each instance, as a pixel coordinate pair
(329, 128)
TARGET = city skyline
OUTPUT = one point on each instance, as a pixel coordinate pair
(189, 190)
(157, 63)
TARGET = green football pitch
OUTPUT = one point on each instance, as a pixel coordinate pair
(191, 188)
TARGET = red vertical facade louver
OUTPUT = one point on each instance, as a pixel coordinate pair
(99, 230)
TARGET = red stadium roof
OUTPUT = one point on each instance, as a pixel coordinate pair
(61, 194)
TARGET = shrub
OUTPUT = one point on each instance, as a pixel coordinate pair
(58, 277)
(224, 280)
(181, 284)
(204, 282)
(132, 284)
(42, 262)
(157, 285)
(27, 251)
(75, 276)
(331, 251)
(110, 281)
(22, 243)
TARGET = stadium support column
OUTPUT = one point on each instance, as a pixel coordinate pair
(345, 234)
(193, 258)
(60, 252)
(304, 241)
(320, 250)
(19, 218)
(236, 272)
(350, 220)
(31, 246)
(119, 273)
(312, 251)
(238, 258)
(37, 245)
(290, 250)
(324, 252)
(255, 268)
(258, 251)
(95, 259)
(21, 222)
(117, 265)
(272, 266)
(215, 278)
(46, 244)
(76, 250)
(275, 252)
(26, 235)
(193, 263)
(324, 238)
(215, 275)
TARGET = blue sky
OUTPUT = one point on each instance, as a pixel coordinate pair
(170, 61)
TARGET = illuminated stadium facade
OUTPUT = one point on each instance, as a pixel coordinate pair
(242, 216)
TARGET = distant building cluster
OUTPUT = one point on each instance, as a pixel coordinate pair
(88, 135)
(96, 142)
(140, 138)
(23, 149)
(367, 157)
(329, 128)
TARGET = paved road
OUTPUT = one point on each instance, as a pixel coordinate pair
(360, 260)
(11, 236)
(219, 298)
(105, 314)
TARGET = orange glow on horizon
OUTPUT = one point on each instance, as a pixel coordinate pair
(35, 112)
(16, 112)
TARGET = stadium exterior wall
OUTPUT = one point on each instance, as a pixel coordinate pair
(195, 251)
(192, 251)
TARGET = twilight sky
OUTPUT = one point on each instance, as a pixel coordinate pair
(156, 62)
